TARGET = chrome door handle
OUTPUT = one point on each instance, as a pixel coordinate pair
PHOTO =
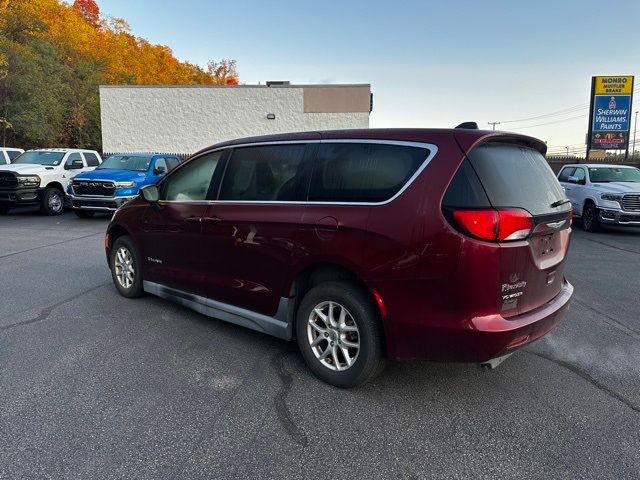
(193, 219)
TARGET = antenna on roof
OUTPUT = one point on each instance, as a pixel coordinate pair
(468, 125)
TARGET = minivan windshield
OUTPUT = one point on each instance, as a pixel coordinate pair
(517, 176)
(136, 163)
(614, 174)
(40, 158)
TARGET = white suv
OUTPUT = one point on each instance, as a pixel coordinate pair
(40, 177)
(7, 154)
(603, 194)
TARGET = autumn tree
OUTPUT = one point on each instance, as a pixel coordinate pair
(89, 10)
(53, 57)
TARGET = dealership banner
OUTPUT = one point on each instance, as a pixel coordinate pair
(610, 116)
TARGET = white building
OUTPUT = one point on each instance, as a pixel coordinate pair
(184, 119)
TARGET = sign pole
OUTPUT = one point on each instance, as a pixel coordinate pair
(626, 151)
(589, 132)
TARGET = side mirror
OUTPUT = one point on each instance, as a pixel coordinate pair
(150, 194)
(159, 171)
(574, 179)
(75, 165)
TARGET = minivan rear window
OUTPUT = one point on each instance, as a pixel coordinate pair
(363, 172)
(516, 176)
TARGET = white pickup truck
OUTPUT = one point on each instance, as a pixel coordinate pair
(40, 177)
(603, 194)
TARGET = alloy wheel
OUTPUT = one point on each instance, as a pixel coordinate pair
(123, 265)
(333, 336)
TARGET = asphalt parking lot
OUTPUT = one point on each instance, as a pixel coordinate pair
(93, 385)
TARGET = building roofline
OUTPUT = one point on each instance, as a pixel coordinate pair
(320, 85)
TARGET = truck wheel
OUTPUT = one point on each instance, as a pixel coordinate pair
(339, 333)
(4, 211)
(125, 268)
(84, 213)
(590, 221)
(52, 202)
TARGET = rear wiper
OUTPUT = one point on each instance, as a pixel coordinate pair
(560, 202)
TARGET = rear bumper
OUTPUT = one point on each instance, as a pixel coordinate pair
(480, 339)
(20, 197)
(97, 204)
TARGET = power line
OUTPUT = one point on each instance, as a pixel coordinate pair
(549, 123)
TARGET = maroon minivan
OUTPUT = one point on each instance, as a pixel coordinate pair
(442, 244)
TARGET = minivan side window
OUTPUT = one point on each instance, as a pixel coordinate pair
(566, 173)
(363, 172)
(192, 181)
(265, 173)
(92, 159)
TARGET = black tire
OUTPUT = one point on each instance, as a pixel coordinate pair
(135, 289)
(84, 213)
(52, 202)
(369, 360)
(590, 221)
(4, 211)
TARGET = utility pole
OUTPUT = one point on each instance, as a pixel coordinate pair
(567, 151)
(493, 124)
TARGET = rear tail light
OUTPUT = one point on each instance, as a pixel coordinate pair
(495, 225)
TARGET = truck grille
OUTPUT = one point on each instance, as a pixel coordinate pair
(8, 180)
(631, 202)
(94, 188)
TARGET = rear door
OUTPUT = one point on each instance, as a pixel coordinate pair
(517, 176)
(250, 231)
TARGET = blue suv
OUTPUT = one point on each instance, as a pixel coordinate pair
(116, 181)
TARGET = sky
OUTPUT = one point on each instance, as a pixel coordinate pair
(429, 63)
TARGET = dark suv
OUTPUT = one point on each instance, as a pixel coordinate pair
(363, 244)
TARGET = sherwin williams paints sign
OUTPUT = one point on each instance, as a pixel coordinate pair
(611, 99)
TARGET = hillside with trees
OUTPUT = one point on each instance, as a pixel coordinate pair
(53, 57)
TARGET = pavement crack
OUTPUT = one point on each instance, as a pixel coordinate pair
(44, 313)
(613, 321)
(49, 245)
(585, 376)
(280, 400)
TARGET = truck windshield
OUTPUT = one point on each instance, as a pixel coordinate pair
(614, 174)
(126, 162)
(40, 158)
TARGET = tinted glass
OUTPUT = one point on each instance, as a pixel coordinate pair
(363, 172)
(566, 173)
(192, 181)
(91, 159)
(40, 158)
(270, 172)
(465, 190)
(13, 154)
(517, 176)
(136, 163)
(614, 174)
